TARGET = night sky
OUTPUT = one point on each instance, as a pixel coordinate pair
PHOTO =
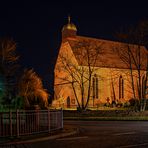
(36, 26)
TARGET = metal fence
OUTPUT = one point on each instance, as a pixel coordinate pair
(28, 122)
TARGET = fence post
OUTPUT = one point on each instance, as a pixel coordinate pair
(10, 123)
(17, 123)
(1, 124)
(62, 117)
(38, 114)
(48, 120)
(56, 119)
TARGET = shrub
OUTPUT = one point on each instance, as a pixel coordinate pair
(119, 104)
(113, 104)
(107, 104)
(126, 104)
(132, 102)
(135, 104)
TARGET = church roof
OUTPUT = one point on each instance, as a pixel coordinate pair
(105, 53)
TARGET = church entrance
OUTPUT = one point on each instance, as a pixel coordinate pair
(68, 102)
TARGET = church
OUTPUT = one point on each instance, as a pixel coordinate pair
(92, 72)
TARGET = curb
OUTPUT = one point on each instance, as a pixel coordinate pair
(61, 135)
(132, 118)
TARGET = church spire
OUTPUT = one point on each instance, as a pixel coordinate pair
(69, 19)
(69, 30)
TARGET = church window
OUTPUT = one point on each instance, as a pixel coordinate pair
(68, 102)
(143, 86)
(95, 87)
(121, 87)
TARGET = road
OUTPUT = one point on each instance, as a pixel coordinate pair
(101, 134)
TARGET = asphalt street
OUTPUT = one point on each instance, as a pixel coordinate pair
(101, 134)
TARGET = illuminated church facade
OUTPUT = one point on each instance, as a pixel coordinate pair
(89, 65)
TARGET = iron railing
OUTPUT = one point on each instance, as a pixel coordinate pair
(28, 122)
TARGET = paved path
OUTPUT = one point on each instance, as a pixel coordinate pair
(101, 134)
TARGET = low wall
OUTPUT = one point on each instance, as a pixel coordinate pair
(103, 113)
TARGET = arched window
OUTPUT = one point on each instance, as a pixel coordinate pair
(143, 86)
(95, 87)
(121, 87)
(68, 102)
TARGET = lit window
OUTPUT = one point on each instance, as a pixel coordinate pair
(95, 87)
(121, 87)
(143, 86)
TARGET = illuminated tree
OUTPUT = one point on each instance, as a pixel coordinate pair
(31, 89)
(8, 66)
(134, 54)
(79, 75)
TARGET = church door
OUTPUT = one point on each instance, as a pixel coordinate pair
(68, 102)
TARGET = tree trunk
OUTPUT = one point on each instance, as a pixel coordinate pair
(75, 95)
(88, 95)
(131, 73)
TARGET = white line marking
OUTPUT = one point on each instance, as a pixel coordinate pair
(73, 138)
(134, 145)
(127, 133)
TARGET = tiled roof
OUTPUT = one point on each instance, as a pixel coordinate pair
(104, 53)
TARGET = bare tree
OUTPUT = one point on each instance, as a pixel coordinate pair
(78, 69)
(135, 56)
(31, 89)
(8, 66)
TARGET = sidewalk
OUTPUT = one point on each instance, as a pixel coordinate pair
(39, 137)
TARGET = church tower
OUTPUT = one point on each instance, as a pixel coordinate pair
(69, 30)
